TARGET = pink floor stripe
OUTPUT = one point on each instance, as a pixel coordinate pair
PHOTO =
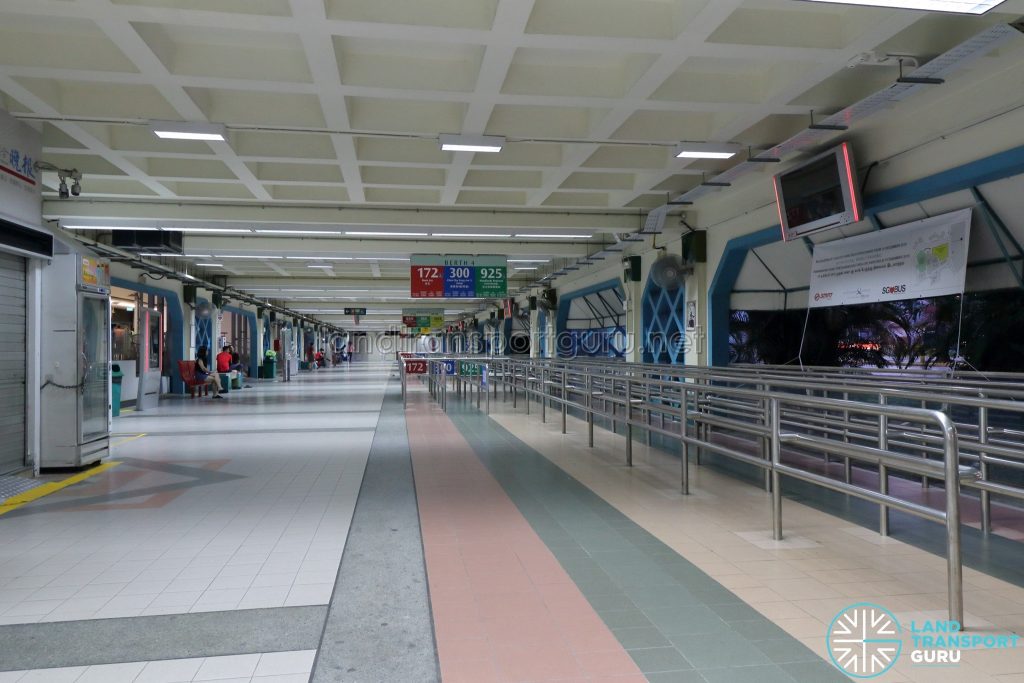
(504, 609)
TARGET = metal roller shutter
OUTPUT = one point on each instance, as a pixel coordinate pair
(12, 362)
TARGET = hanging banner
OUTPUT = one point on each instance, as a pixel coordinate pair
(918, 260)
(435, 276)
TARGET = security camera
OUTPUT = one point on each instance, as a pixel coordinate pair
(62, 190)
(76, 189)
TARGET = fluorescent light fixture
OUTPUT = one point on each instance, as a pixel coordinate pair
(384, 234)
(471, 143)
(955, 6)
(246, 230)
(261, 231)
(255, 257)
(381, 258)
(706, 150)
(106, 227)
(556, 237)
(467, 235)
(150, 254)
(529, 260)
(211, 265)
(519, 268)
(320, 265)
(188, 130)
(319, 258)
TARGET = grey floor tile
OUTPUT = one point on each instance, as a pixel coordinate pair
(757, 629)
(603, 603)
(767, 673)
(655, 659)
(786, 650)
(625, 618)
(736, 612)
(676, 677)
(641, 637)
(689, 620)
(814, 672)
(710, 651)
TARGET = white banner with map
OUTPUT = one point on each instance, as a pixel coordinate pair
(923, 259)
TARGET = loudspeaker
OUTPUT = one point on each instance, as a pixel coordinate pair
(551, 297)
(188, 293)
(695, 248)
(533, 303)
(493, 315)
(259, 313)
(633, 268)
(218, 300)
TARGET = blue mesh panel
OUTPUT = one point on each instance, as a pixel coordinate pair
(664, 331)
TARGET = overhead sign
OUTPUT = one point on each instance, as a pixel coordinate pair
(918, 260)
(355, 311)
(21, 198)
(435, 276)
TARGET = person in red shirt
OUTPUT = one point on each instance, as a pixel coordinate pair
(224, 360)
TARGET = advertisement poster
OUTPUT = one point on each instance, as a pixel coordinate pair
(927, 258)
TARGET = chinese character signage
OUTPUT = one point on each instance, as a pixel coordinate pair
(435, 276)
(21, 199)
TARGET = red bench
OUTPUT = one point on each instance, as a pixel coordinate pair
(187, 368)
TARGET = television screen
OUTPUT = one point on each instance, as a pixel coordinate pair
(818, 194)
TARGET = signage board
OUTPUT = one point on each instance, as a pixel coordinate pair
(415, 366)
(437, 321)
(458, 276)
(21, 198)
(470, 369)
(409, 321)
(918, 260)
(355, 311)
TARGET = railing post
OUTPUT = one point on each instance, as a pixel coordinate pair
(684, 456)
(883, 471)
(565, 397)
(986, 501)
(629, 423)
(765, 445)
(954, 558)
(543, 395)
(776, 452)
(590, 408)
(847, 464)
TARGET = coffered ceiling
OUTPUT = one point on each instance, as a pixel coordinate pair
(333, 110)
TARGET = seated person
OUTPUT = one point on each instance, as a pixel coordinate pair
(319, 358)
(224, 360)
(203, 372)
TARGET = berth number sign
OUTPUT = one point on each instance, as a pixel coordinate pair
(435, 276)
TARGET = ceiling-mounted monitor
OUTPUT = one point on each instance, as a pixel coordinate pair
(818, 194)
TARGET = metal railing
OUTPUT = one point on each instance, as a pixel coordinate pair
(700, 406)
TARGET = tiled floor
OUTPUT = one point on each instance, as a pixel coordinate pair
(504, 608)
(201, 522)
(824, 565)
(268, 667)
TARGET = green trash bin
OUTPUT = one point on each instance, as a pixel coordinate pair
(270, 368)
(116, 376)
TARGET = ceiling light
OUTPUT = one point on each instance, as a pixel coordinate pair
(955, 6)
(556, 237)
(248, 256)
(105, 227)
(319, 258)
(261, 231)
(529, 260)
(386, 234)
(706, 150)
(519, 268)
(466, 234)
(151, 254)
(320, 265)
(471, 143)
(185, 130)
(381, 258)
(211, 265)
(247, 230)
